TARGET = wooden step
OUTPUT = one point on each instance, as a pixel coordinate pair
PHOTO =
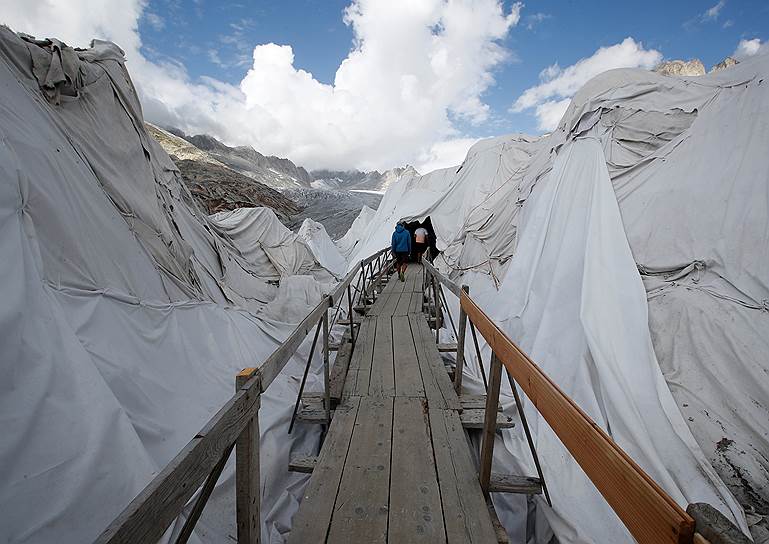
(475, 402)
(447, 347)
(302, 463)
(510, 483)
(312, 414)
(473, 419)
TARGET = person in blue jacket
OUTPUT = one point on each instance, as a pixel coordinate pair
(401, 247)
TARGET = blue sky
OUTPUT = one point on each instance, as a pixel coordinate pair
(216, 39)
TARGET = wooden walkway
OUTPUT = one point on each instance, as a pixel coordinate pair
(395, 465)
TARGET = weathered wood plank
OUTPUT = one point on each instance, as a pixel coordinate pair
(510, 483)
(382, 382)
(447, 347)
(247, 489)
(649, 513)
(489, 434)
(361, 507)
(466, 516)
(404, 303)
(415, 503)
(303, 463)
(408, 376)
(310, 523)
(472, 418)
(359, 370)
(435, 364)
(433, 391)
(474, 402)
(390, 303)
(339, 370)
(146, 518)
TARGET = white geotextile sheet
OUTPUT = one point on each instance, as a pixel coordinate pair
(686, 160)
(126, 313)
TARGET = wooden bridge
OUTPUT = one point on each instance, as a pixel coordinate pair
(396, 464)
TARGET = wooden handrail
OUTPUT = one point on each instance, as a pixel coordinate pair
(450, 285)
(650, 514)
(150, 513)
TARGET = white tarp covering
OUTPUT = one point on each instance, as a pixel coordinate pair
(126, 312)
(666, 176)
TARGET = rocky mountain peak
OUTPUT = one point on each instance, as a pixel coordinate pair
(692, 67)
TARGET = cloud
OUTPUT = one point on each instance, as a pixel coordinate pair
(416, 71)
(155, 20)
(728, 23)
(444, 154)
(712, 13)
(535, 18)
(748, 48)
(557, 85)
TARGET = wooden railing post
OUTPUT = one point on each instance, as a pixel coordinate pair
(247, 488)
(362, 290)
(326, 370)
(436, 305)
(458, 371)
(349, 314)
(490, 423)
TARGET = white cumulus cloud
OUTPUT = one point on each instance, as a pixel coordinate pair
(748, 48)
(557, 85)
(415, 69)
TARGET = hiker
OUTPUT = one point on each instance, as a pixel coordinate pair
(401, 247)
(421, 238)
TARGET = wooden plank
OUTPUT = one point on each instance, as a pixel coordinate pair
(649, 513)
(382, 382)
(511, 483)
(466, 516)
(489, 433)
(473, 402)
(472, 418)
(415, 513)
(416, 303)
(404, 303)
(146, 518)
(361, 507)
(312, 414)
(435, 364)
(390, 303)
(303, 463)
(408, 376)
(247, 489)
(447, 348)
(311, 522)
(433, 391)
(359, 371)
(339, 370)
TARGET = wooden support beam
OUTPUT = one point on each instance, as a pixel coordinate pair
(510, 483)
(475, 419)
(303, 463)
(247, 488)
(460, 347)
(490, 423)
(650, 514)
